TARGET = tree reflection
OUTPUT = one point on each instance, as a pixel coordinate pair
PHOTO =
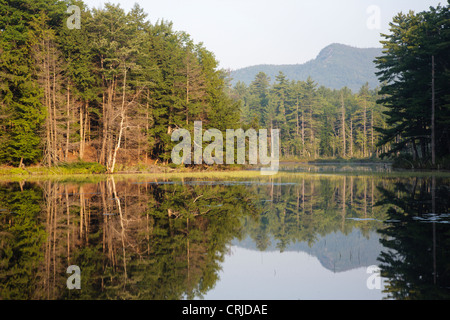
(131, 241)
(417, 240)
(167, 239)
(305, 210)
(22, 236)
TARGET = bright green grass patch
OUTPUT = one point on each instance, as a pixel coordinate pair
(60, 169)
(93, 172)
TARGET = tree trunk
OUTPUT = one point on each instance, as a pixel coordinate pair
(68, 224)
(81, 133)
(86, 124)
(343, 126)
(67, 125)
(371, 126)
(55, 134)
(102, 158)
(49, 108)
(82, 211)
(311, 134)
(303, 134)
(415, 153)
(433, 134)
(122, 232)
(122, 119)
(365, 198)
(365, 129)
(343, 202)
(297, 118)
(351, 137)
(187, 94)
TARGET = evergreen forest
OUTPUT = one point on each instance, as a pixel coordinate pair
(111, 91)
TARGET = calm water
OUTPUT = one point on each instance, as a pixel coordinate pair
(292, 236)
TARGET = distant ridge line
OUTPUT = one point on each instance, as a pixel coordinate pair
(336, 66)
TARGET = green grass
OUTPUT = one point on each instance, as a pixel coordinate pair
(93, 172)
(60, 169)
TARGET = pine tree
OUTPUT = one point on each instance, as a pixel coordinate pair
(409, 50)
(19, 92)
(259, 99)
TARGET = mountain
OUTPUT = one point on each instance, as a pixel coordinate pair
(336, 66)
(336, 251)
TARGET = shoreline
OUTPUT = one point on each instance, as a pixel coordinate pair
(217, 175)
(95, 170)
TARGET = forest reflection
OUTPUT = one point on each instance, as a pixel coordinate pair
(166, 239)
(416, 259)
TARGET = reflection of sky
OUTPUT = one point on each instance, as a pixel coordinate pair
(255, 275)
(335, 251)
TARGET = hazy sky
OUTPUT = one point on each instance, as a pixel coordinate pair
(242, 33)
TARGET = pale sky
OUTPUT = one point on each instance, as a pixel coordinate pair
(243, 33)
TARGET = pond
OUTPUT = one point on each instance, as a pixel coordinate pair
(295, 235)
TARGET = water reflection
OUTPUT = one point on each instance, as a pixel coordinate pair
(416, 259)
(169, 239)
(336, 167)
(146, 241)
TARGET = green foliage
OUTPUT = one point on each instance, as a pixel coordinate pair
(121, 82)
(118, 65)
(310, 118)
(406, 70)
(416, 256)
(21, 111)
(22, 236)
(80, 168)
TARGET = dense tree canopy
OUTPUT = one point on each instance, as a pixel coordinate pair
(115, 89)
(111, 91)
(314, 121)
(415, 68)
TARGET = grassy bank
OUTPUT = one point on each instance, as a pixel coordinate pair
(91, 172)
(243, 175)
(61, 169)
(93, 168)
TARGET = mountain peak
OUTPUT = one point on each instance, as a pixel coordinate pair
(336, 66)
(332, 48)
(326, 53)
